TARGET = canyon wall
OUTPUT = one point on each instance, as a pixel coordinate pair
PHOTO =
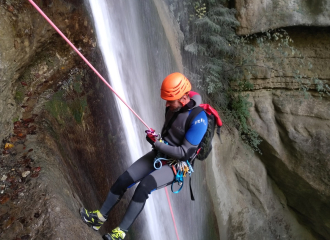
(55, 118)
(283, 193)
(261, 15)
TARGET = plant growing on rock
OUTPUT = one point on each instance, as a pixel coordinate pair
(270, 51)
(215, 42)
(229, 63)
(200, 10)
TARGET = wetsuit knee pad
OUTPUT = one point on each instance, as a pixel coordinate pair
(122, 183)
(144, 189)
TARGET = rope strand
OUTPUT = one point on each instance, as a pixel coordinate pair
(86, 61)
(169, 203)
(106, 83)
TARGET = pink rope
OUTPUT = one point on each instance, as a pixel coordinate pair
(169, 203)
(106, 83)
(88, 63)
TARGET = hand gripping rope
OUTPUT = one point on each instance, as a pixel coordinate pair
(106, 83)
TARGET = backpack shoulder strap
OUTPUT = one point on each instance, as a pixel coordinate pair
(166, 128)
(166, 110)
(175, 115)
(194, 112)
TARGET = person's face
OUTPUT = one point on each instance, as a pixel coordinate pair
(174, 105)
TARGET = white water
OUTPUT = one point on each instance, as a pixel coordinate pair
(124, 51)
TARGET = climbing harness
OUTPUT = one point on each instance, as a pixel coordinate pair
(178, 179)
(108, 85)
(180, 168)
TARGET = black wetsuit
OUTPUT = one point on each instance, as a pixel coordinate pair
(181, 145)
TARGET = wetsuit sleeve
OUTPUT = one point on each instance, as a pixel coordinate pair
(193, 137)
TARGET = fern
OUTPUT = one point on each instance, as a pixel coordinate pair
(226, 62)
(215, 44)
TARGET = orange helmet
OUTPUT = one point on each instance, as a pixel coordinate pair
(174, 86)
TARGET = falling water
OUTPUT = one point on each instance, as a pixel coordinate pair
(124, 51)
(138, 56)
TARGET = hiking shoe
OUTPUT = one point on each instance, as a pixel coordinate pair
(91, 218)
(117, 234)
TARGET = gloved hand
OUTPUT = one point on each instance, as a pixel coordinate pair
(151, 137)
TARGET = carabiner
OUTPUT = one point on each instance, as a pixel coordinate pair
(179, 180)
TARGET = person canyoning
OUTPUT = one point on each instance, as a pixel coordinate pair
(186, 134)
(177, 143)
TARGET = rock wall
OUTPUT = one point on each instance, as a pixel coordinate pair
(54, 118)
(66, 143)
(249, 204)
(283, 193)
(24, 36)
(295, 132)
(253, 194)
(261, 15)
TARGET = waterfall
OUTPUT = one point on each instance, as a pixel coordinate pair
(138, 56)
(125, 53)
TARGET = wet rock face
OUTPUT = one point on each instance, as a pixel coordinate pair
(25, 39)
(48, 104)
(36, 200)
(285, 191)
(296, 151)
(249, 205)
(295, 132)
(261, 15)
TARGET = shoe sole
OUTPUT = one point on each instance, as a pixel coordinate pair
(108, 237)
(81, 210)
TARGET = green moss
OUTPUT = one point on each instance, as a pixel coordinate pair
(77, 85)
(112, 139)
(70, 102)
(58, 107)
(77, 108)
(15, 119)
(19, 96)
(63, 110)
